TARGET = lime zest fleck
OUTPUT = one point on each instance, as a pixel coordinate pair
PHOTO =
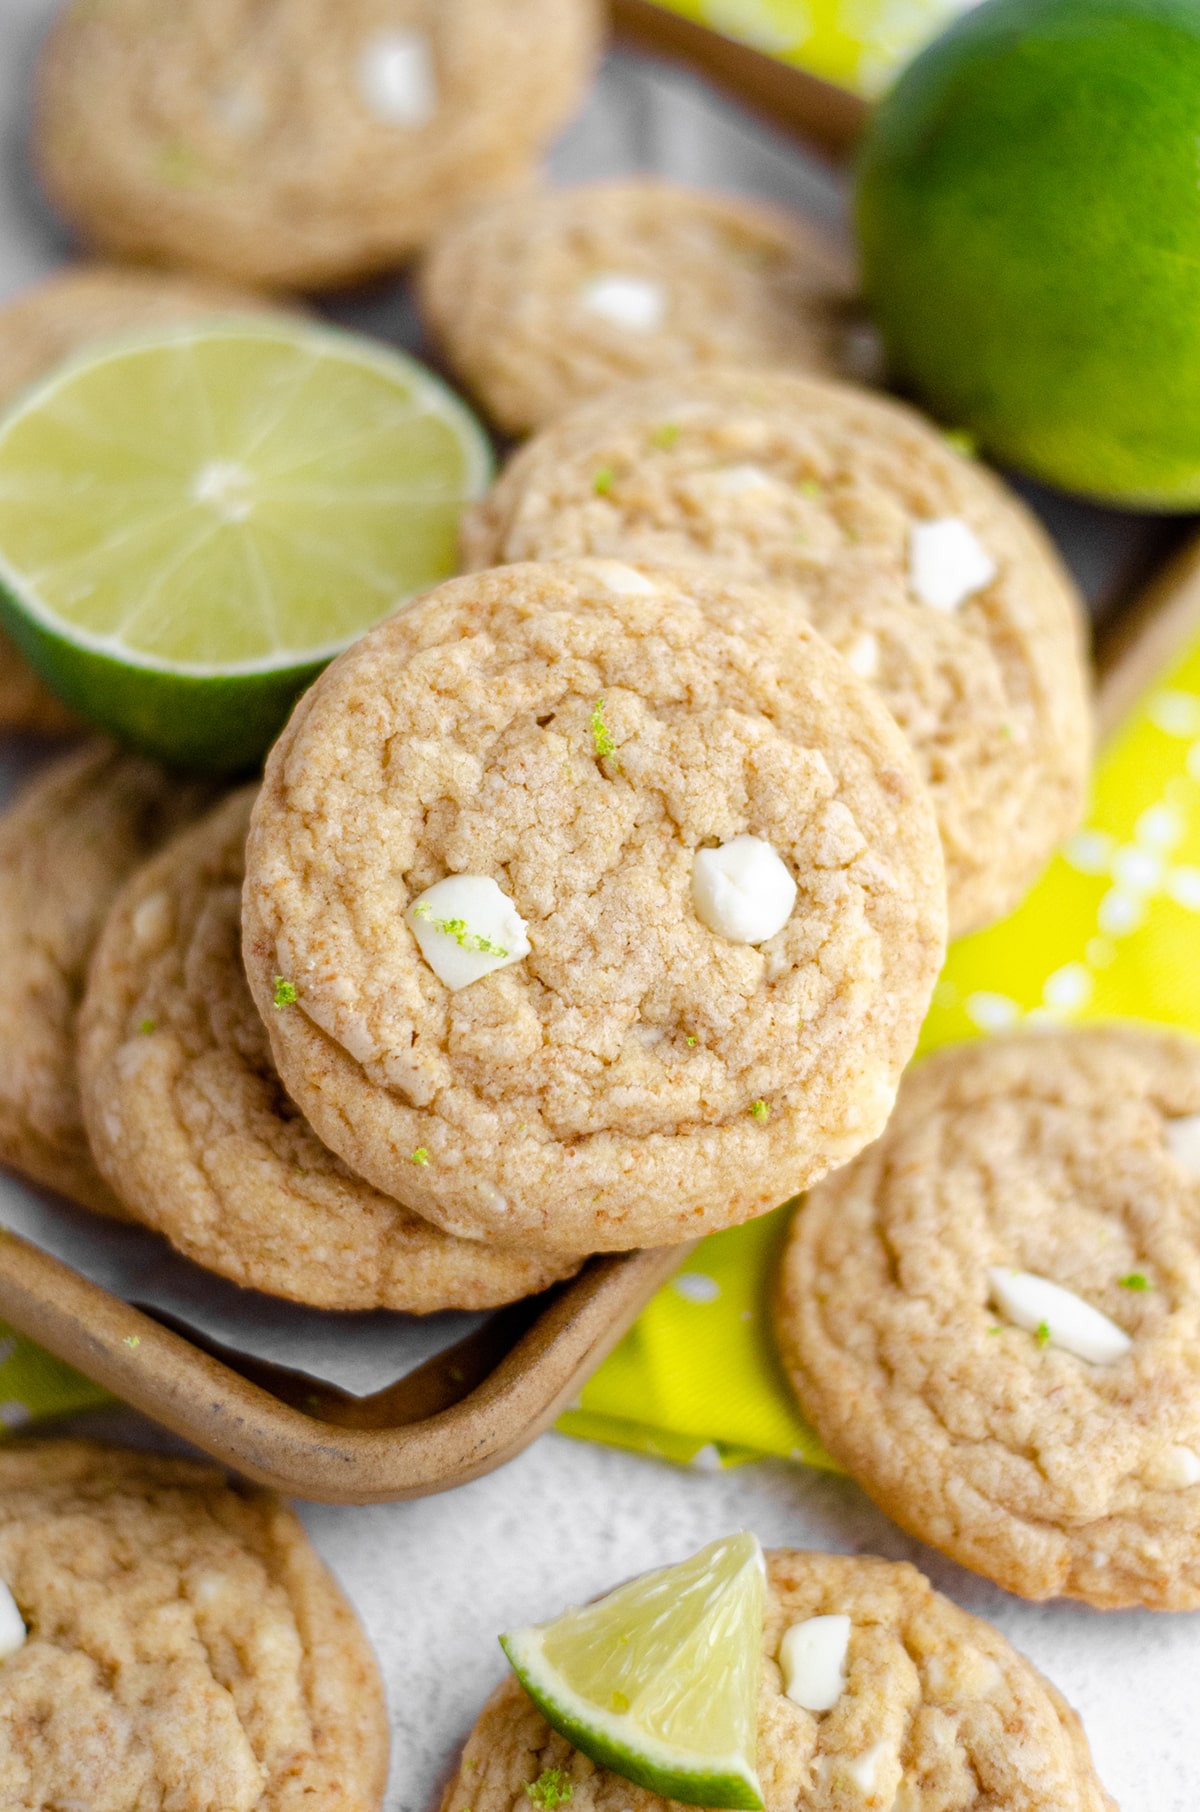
(285, 993)
(961, 442)
(180, 165)
(761, 1110)
(132, 1341)
(1042, 1335)
(459, 931)
(996, 1330)
(146, 1026)
(666, 436)
(1135, 1281)
(692, 1039)
(604, 480)
(420, 1156)
(551, 1788)
(601, 734)
(811, 487)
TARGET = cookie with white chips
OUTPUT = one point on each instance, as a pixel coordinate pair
(905, 1702)
(932, 579)
(992, 1317)
(540, 301)
(298, 145)
(609, 902)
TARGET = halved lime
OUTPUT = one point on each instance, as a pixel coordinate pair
(659, 1681)
(193, 523)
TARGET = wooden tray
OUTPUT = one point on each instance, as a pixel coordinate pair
(479, 1404)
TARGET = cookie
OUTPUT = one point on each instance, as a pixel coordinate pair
(937, 1712)
(1070, 1158)
(540, 301)
(930, 578)
(184, 1645)
(300, 145)
(66, 846)
(38, 329)
(190, 1124)
(582, 744)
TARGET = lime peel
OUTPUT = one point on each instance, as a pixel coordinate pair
(685, 1643)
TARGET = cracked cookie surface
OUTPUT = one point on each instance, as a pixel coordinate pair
(1050, 1153)
(190, 1123)
(186, 1648)
(938, 1714)
(817, 489)
(297, 143)
(66, 846)
(636, 1079)
(542, 300)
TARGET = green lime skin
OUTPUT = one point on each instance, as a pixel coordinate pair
(203, 724)
(1028, 208)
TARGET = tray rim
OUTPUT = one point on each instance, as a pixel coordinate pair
(241, 1423)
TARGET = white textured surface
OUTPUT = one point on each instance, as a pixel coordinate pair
(435, 1581)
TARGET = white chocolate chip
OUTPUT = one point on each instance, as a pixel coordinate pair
(1174, 1470)
(635, 303)
(746, 477)
(616, 577)
(947, 563)
(862, 1768)
(863, 656)
(152, 922)
(12, 1624)
(397, 78)
(812, 1660)
(466, 928)
(1036, 1304)
(742, 891)
(1183, 1142)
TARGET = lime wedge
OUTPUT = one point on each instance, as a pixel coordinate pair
(193, 523)
(659, 1681)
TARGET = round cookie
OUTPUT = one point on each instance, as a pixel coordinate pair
(1053, 1154)
(828, 495)
(302, 145)
(40, 327)
(540, 301)
(185, 1646)
(938, 1712)
(190, 1124)
(66, 846)
(576, 733)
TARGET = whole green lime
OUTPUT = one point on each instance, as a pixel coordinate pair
(1029, 214)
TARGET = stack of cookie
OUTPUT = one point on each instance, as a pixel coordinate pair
(584, 906)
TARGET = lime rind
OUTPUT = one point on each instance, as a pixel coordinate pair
(659, 1681)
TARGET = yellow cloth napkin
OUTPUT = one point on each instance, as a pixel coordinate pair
(857, 44)
(1111, 931)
